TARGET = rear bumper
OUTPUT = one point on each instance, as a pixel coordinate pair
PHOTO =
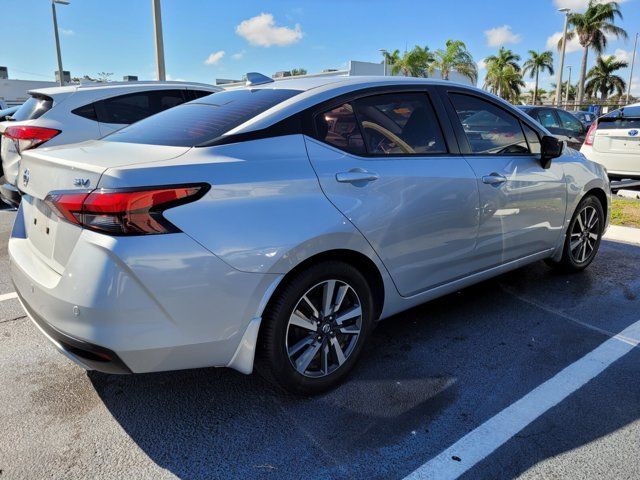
(10, 194)
(618, 165)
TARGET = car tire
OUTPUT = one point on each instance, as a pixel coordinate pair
(581, 244)
(310, 344)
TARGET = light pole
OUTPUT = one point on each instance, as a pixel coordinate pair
(564, 47)
(384, 56)
(157, 30)
(566, 95)
(633, 61)
(55, 33)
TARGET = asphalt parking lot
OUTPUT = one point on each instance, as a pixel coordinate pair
(454, 367)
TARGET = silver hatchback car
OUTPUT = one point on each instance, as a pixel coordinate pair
(275, 224)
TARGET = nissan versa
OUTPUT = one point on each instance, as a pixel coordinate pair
(274, 224)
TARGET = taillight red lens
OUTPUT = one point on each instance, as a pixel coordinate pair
(124, 212)
(591, 134)
(27, 137)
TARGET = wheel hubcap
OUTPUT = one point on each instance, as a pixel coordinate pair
(324, 328)
(584, 234)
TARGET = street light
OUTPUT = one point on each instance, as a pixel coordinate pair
(564, 47)
(159, 43)
(566, 96)
(633, 61)
(55, 33)
(384, 56)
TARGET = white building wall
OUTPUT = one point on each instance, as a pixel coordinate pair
(14, 92)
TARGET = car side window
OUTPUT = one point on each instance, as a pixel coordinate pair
(400, 124)
(571, 123)
(547, 119)
(489, 129)
(338, 127)
(195, 94)
(86, 111)
(127, 109)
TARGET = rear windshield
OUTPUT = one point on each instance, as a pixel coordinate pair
(33, 108)
(197, 122)
(628, 117)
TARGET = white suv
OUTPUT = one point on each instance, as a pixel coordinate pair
(75, 113)
(614, 142)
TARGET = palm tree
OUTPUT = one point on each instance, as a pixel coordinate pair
(592, 28)
(538, 62)
(503, 74)
(456, 57)
(414, 63)
(601, 78)
(563, 91)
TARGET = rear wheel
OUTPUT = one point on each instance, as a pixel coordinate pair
(316, 326)
(583, 236)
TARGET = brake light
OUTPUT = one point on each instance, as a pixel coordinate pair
(124, 212)
(26, 137)
(591, 134)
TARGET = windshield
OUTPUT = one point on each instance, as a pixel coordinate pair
(202, 120)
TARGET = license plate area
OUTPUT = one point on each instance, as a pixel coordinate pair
(41, 225)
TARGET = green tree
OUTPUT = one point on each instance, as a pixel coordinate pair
(592, 28)
(504, 77)
(538, 62)
(455, 56)
(298, 71)
(563, 91)
(414, 63)
(601, 78)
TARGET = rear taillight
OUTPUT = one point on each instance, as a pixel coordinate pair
(124, 212)
(26, 137)
(591, 134)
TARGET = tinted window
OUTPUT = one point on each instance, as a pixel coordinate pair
(204, 120)
(126, 109)
(532, 139)
(489, 128)
(86, 111)
(570, 122)
(33, 108)
(338, 127)
(629, 117)
(547, 119)
(399, 124)
(195, 94)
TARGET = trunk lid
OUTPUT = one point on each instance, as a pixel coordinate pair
(619, 132)
(68, 168)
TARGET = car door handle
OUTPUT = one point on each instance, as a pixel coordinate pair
(355, 176)
(494, 179)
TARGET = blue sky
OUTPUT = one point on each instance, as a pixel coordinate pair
(206, 39)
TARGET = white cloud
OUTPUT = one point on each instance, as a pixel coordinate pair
(623, 55)
(238, 55)
(214, 58)
(530, 85)
(573, 45)
(499, 36)
(67, 32)
(577, 4)
(170, 78)
(482, 65)
(263, 32)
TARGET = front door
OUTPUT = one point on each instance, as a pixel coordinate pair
(522, 205)
(383, 161)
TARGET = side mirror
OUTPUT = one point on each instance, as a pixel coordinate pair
(550, 148)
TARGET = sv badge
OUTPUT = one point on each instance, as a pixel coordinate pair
(81, 182)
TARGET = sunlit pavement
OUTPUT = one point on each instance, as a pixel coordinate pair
(527, 365)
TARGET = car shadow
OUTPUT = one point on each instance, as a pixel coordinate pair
(427, 377)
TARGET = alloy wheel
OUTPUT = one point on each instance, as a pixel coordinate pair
(584, 234)
(324, 328)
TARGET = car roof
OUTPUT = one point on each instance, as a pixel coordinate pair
(66, 89)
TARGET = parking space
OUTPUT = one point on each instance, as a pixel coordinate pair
(429, 377)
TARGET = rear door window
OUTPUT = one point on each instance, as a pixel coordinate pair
(203, 120)
(339, 127)
(130, 108)
(489, 129)
(571, 123)
(547, 118)
(33, 108)
(86, 111)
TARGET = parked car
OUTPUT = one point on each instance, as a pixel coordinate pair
(74, 113)
(587, 118)
(614, 142)
(562, 124)
(286, 218)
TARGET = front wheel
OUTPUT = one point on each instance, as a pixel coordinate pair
(583, 236)
(316, 326)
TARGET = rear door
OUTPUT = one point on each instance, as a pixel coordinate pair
(522, 205)
(117, 112)
(390, 165)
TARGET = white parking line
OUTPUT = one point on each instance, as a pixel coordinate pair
(8, 296)
(488, 437)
